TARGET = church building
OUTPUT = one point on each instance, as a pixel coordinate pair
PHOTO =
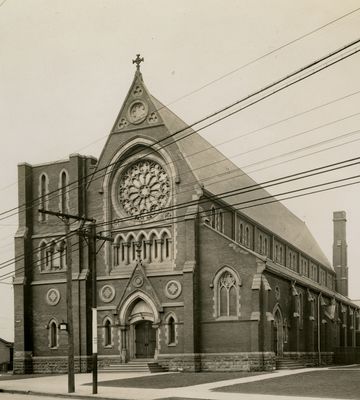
(193, 279)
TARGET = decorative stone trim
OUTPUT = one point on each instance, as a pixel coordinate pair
(173, 289)
(52, 296)
(138, 281)
(107, 293)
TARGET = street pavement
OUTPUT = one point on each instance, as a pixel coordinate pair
(57, 386)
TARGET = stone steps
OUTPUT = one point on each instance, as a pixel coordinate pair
(137, 365)
(289, 363)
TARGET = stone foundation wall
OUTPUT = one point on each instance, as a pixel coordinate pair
(50, 365)
(347, 355)
(105, 361)
(180, 362)
(22, 363)
(311, 358)
(218, 362)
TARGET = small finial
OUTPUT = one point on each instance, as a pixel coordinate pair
(138, 251)
(138, 60)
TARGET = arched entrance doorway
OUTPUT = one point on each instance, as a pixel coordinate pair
(278, 332)
(139, 322)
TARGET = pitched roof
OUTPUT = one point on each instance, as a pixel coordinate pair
(224, 175)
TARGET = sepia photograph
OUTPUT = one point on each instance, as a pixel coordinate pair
(179, 199)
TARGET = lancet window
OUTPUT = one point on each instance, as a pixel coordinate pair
(64, 192)
(43, 196)
(171, 334)
(226, 286)
(53, 335)
(154, 247)
(107, 333)
(52, 255)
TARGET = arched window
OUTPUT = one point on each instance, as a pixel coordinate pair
(64, 192)
(107, 333)
(260, 243)
(226, 298)
(43, 257)
(154, 245)
(43, 191)
(247, 237)
(53, 335)
(116, 250)
(50, 255)
(171, 330)
(133, 250)
(220, 221)
(265, 246)
(166, 246)
(213, 217)
(62, 253)
(241, 233)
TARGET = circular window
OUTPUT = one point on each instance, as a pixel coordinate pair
(144, 188)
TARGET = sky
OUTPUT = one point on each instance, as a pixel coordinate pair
(66, 66)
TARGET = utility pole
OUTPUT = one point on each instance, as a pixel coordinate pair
(93, 237)
(66, 219)
(69, 308)
(92, 261)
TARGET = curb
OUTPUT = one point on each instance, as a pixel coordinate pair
(59, 395)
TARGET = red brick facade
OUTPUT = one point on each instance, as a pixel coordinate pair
(216, 288)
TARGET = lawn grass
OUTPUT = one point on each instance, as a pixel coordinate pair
(164, 381)
(339, 384)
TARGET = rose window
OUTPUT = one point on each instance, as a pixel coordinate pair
(144, 189)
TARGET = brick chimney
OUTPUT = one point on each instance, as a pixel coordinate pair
(340, 252)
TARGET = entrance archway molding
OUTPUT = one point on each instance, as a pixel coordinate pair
(124, 308)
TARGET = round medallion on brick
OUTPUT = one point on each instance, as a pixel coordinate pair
(138, 281)
(173, 289)
(52, 296)
(107, 293)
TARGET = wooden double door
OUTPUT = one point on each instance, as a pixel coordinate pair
(145, 340)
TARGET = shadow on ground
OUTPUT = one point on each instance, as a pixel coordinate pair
(338, 384)
(178, 379)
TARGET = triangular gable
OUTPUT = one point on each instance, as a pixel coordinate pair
(138, 111)
(138, 281)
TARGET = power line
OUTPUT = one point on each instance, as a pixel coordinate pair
(314, 63)
(263, 56)
(257, 186)
(250, 188)
(8, 275)
(237, 69)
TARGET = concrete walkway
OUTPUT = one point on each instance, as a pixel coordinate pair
(57, 386)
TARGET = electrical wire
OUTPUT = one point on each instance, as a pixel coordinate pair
(312, 64)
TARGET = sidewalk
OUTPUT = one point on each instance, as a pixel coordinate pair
(57, 386)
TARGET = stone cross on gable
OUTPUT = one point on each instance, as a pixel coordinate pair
(138, 60)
